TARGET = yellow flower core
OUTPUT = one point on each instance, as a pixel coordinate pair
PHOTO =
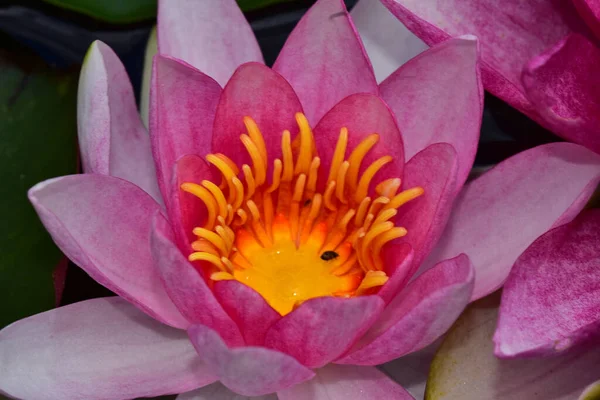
(288, 240)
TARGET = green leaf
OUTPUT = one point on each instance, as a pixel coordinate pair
(38, 141)
(251, 5)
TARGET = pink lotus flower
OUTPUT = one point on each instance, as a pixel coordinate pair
(296, 278)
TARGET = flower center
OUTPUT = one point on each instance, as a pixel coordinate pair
(287, 239)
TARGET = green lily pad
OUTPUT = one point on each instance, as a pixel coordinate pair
(38, 135)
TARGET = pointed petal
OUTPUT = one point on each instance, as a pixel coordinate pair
(438, 97)
(112, 139)
(399, 261)
(96, 350)
(212, 35)
(322, 329)
(324, 59)
(538, 189)
(564, 85)
(183, 102)
(102, 224)
(465, 366)
(589, 10)
(363, 114)
(347, 382)
(217, 391)
(250, 371)
(151, 50)
(418, 315)
(186, 286)
(262, 94)
(539, 316)
(515, 34)
(388, 42)
(248, 309)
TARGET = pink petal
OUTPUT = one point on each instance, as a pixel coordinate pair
(324, 59)
(186, 287)
(497, 216)
(510, 33)
(262, 94)
(103, 224)
(551, 300)
(250, 371)
(183, 102)
(465, 366)
(100, 349)
(435, 170)
(363, 114)
(564, 85)
(248, 309)
(399, 262)
(437, 97)
(388, 43)
(347, 382)
(112, 139)
(418, 315)
(217, 391)
(322, 329)
(589, 10)
(212, 35)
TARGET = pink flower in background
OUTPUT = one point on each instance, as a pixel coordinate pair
(247, 247)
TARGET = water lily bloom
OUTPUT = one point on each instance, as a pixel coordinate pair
(279, 230)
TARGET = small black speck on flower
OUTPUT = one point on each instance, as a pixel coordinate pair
(307, 202)
(329, 255)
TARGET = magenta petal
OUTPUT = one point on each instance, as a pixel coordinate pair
(363, 114)
(211, 35)
(437, 97)
(262, 94)
(537, 189)
(564, 85)
(551, 300)
(435, 170)
(322, 329)
(112, 139)
(589, 10)
(250, 371)
(418, 315)
(324, 59)
(186, 287)
(103, 224)
(388, 42)
(248, 309)
(347, 382)
(217, 391)
(97, 350)
(399, 262)
(516, 32)
(183, 102)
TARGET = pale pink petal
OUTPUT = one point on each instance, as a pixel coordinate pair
(100, 349)
(217, 391)
(103, 225)
(186, 287)
(347, 382)
(388, 42)
(363, 114)
(510, 32)
(183, 102)
(497, 216)
(437, 97)
(324, 328)
(466, 368)
(419, 315)
(564, 85)
(551, 299)
(435, 170)
(112, 139)
(589, 10)
(211, 35)
(248, 309)
(250, 371)
(258, 92)
(325, 60)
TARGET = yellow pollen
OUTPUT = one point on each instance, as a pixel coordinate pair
(287, 235)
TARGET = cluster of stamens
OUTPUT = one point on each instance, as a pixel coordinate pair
(289, 240)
